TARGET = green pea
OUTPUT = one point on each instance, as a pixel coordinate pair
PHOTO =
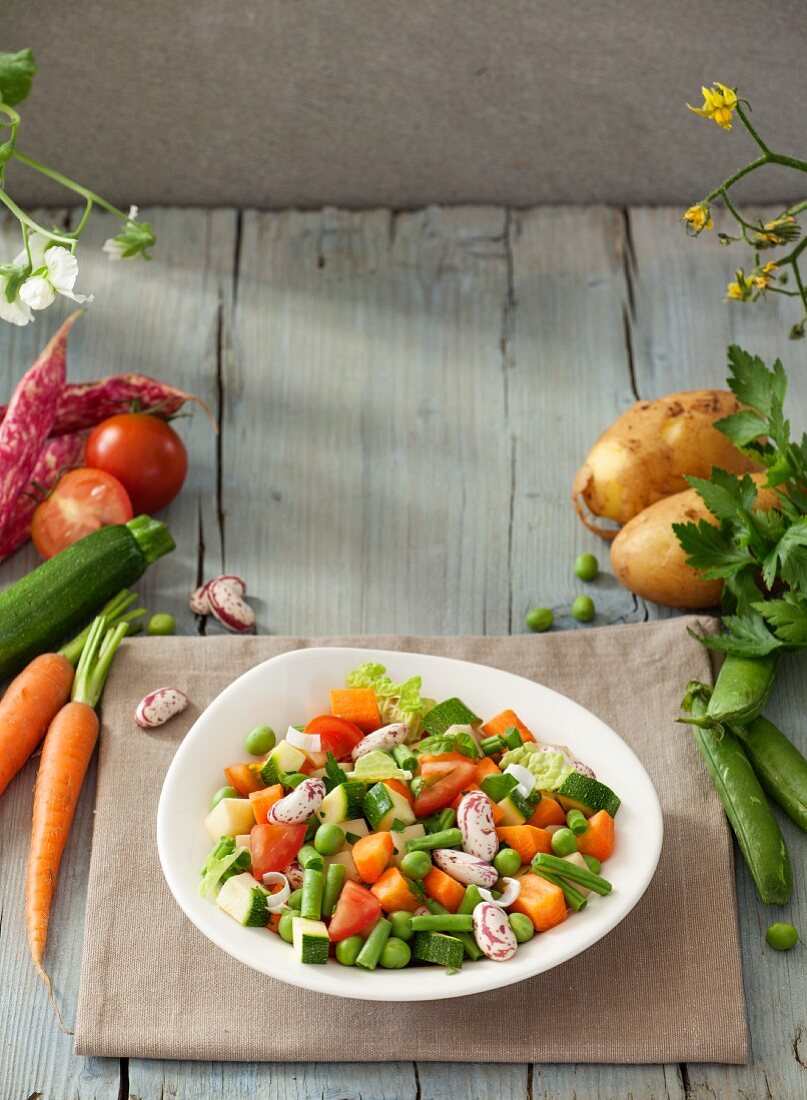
(161, 624)
(223, 792)
(396, 954)
(586, 567)
(260, 740)
(782, 936)
(401, 922)
(593, 863)
(295, 899)
(583, 609)
(416, 864)
(329, 839)
(539, 619)
(522, 927)
(564, 842)
(347, 951)
(507, 862)
(284, 925)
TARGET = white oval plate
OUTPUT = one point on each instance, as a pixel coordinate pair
(294, 687)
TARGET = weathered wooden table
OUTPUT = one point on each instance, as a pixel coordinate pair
(402, 401)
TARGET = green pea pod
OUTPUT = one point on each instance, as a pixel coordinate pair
(742, 689)
(750, 816)
(781, 768)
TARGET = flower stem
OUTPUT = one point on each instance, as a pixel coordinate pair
(85, 192)
(738, 175)
(747, 124)
(21, 216)
(736, 214)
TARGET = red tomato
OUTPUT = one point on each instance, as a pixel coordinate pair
(355, 911)
(82, 501)
(274, 846)
(243, 778)
(144, 453)
(337, 735)
(445, 790)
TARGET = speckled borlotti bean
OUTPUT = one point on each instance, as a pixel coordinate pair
(465, 868)
(198, 602)
(475, 822)
(385, 738)
(492, 932)
(158, 706)
(294, 873)
(584, 769)
(298, 806)
(230, 607)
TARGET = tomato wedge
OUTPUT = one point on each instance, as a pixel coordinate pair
(243, 778)
(355, 911)
(274, 846)
(336, 735)
(82, 501)
(445, 790)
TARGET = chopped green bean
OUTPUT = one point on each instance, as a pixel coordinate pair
(335, 877)
(571, 871)
(313, 885)
(310, 857)
(447, 838)
(295, 899)
(470, 899)
(577, 822)
(370, 955)
(493, 744)
(593, 863)
(443, 922)
(405, 758)
(574, 899)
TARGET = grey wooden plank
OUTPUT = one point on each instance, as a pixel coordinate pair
(272, 1081)
(567, 376)
(680, 332)
(366, 462)
(439, 1080)
(590, 1082)
(47, 1065)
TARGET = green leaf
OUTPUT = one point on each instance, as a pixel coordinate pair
(752, 382)
(788, 559)
(740, 593)
(16, 76)
(787, 617)
(747, 637)
(334, 775)
(710, 550)
(743, 427)
(727, 496)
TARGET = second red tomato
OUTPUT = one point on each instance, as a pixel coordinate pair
(144, 453)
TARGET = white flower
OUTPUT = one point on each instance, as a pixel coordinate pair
(17, 312)
(59, 276)
(114, 246)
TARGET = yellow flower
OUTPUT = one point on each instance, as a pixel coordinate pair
(776, 232)
(718, 103)
(698, 218)
(749, 287)
(740, 291)
(762, 276)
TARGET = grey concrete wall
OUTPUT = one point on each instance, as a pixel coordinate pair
(403, 102)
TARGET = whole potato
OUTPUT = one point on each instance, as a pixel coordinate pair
(648, 559)
(647, 451)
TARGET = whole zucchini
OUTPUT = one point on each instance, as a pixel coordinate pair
(781, 768)
(62, 595)
(750, 816)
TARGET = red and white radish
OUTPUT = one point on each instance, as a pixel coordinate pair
(297, 807)
(492, 932)
(475, 822)
(465, 868)
(158, 706)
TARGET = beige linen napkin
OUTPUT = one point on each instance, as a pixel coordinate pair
(664, 986)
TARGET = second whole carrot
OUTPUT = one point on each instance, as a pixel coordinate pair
(32, 700)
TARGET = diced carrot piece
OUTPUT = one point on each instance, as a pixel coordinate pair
(394, 892)
(274, 921)
(485, 768)
(526, 840)
(243, 779)
(598, 840)
(444, 889)
(504, 721)
(541, 901)
(547, 812)
(262, 801)
(357, 705)
(371, 854)
(401, 788)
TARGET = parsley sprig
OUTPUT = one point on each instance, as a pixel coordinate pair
(760, 552)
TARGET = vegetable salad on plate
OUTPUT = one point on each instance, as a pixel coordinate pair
(397, 831)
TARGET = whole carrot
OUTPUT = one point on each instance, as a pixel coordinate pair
(28, 707)
(66, 753)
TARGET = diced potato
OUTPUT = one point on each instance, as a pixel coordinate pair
(230, 817)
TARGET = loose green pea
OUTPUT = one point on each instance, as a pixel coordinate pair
(260, 740)
(329, 839)
(583, 609)
(564, 842)
(416, 864)
(539, 619)
(592, 863)
(395, 955)
(161, 624)
(295, 899)
(223, 792)
(401, 922)
(347, 951)
(284, 925)
(586, 567)
(507, 862)
(782, 936)
(522, 927)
